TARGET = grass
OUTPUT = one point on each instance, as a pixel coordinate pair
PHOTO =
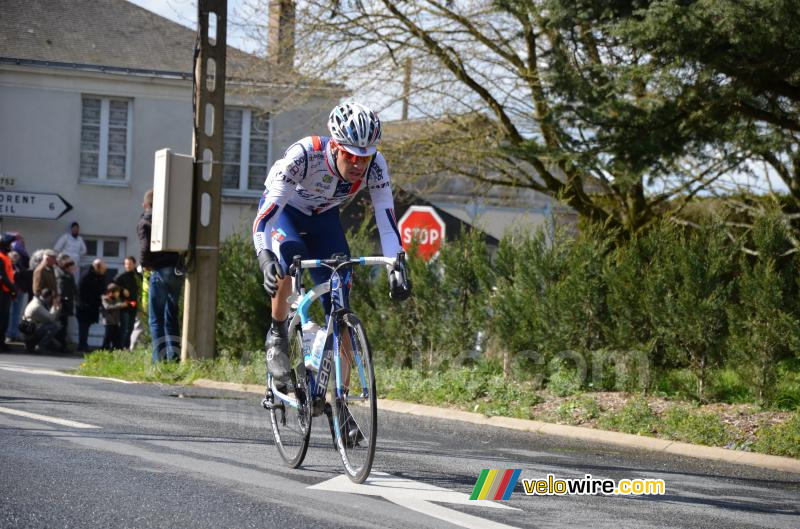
(137, 366)
(678, 422)
(483, 389)
(682, 423)
(781, 439)
(578, 410)
(480, 389)
(635, 417)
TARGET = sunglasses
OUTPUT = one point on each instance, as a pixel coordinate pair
(353, 158)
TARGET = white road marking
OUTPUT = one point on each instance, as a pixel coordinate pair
(51, 372)
(54, 420)
(418, 497)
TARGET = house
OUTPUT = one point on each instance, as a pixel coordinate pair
(90, 89)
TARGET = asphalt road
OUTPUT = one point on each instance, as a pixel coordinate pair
(170, 456)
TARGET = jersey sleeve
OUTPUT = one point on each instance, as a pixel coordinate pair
(380, 190)
(281, 182)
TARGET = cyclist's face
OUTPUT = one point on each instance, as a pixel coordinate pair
(350, 166)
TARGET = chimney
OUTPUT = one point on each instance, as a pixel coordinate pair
(280, 48)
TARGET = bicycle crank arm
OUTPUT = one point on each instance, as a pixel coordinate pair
(283, 397)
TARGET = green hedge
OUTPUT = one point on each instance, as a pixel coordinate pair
(677, 309)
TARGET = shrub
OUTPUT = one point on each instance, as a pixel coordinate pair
(787, 389)
(688, 289)
(625, 272)
(578, 410)
(678, 383)
(440, 323)
(766, 328)
(564, 382)
(670, 309)
(243, 308)
(621, 370)
(683, 424)
(781, 439)
(635, 417)
(550, 295)
(728, 385)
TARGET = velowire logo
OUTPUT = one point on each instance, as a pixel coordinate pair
(495, 484)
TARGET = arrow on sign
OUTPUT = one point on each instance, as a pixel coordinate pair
(418, 497)
(19, 204)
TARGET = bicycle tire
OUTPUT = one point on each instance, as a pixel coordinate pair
(356, 415)
(291, 427)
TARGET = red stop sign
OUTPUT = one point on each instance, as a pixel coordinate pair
(423, 225)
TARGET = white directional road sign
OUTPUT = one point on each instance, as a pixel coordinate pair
(48, 206)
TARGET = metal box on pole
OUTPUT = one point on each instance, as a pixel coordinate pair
(172, 202)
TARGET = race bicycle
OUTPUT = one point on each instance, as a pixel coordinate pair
(346, 359)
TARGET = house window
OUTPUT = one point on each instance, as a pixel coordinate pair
(105, 139)
(246, 150)
(110, 249)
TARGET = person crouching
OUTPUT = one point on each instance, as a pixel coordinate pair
(42, 325)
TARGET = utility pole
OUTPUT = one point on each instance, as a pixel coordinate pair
(200, 302)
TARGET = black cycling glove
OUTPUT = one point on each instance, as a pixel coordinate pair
(272, 270)
(399, 283)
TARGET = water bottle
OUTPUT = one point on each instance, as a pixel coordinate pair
(317, 349)
(310, 330)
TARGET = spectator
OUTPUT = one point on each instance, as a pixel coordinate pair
(72, 244)
(8, 290)
(42, 313)
(44, 276)
(113, 305)
(17, 303)
(35, 260)
(166, 285)
(91, 288)
(23, 277)
(67, 291)
(129, 282)
(18, 245)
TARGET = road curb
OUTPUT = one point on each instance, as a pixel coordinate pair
(785, 464)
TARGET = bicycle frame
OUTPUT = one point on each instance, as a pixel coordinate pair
(301, 300)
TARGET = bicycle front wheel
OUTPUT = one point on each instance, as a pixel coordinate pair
(291, 427)
(356, 405)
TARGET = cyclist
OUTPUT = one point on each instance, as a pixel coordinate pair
(298, 214)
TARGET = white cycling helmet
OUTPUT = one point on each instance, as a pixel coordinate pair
(356, 128)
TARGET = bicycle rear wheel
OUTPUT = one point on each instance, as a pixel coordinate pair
(291, 427)
(356, 410)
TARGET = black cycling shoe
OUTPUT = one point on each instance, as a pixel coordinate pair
(277, 348)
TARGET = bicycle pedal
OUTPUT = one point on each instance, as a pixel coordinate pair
(268, 402)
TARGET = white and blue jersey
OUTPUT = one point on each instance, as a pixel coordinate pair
(298, 213)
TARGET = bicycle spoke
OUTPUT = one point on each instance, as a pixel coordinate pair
(291, 427)
(356, 409)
